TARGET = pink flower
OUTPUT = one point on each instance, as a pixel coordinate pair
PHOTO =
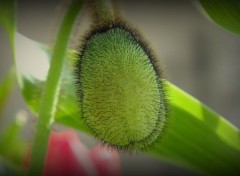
(67, 156)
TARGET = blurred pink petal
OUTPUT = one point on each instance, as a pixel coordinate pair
(67, 156)
(60, 159)
(107, 162)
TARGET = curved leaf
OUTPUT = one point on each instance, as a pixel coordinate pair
(226, 13)
(32, 77)
(5, 87)
(7, 17)
(198, 138)
(12, 148)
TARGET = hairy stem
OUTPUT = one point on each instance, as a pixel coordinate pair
(103, 11)
(51, 91)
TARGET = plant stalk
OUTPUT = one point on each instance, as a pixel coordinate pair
(103, 11)
(51, 91)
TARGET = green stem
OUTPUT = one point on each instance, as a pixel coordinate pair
(103, 11)
(50, 94)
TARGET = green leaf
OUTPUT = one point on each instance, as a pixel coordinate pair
(10, 169)
(5, 87)
(32, 80)
(196, 137)
(7, 20)
(12, 148)
(225, 13)
(7, 17)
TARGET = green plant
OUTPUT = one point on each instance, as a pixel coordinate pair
(190, 120)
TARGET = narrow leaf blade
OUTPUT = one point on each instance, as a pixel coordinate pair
(5, 88)
(198, 138)
(7, 17)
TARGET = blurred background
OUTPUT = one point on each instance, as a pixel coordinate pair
(197, 55)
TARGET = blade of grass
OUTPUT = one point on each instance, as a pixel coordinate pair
(50, 94)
